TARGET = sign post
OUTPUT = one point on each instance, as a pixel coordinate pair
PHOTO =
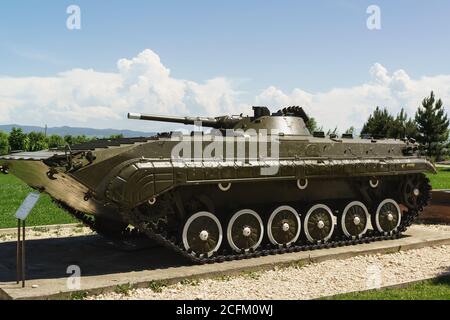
(21, 215)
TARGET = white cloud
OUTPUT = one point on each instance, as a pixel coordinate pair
(97, 99)
(81, 97)
(345, 107)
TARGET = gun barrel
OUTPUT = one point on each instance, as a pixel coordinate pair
(205, 121)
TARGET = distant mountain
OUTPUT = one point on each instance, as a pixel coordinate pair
(77, 131)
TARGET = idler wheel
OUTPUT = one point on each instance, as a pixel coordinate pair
(284, 226)
(388, 216)
(202, 234)
(245, 230)
(355, 219)
(318, 223)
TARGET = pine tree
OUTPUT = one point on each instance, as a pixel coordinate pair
(402, 127)
(378, 124)
(433, 126)
(350, 130)
(411, 130)
(312, 125)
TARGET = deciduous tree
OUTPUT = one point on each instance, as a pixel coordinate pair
(18, 140)
(55, 141)
(37, 141)
(4, 143)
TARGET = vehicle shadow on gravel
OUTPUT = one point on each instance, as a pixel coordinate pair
(50, 258)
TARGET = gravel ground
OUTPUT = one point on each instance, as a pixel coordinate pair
(43, 232)
(309, 281)
(296, 282)
(439, 227)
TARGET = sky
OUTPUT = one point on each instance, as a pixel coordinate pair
(208, 58)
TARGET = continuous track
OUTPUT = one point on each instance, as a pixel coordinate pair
(107, 230)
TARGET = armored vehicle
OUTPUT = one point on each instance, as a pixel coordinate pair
(253, 185)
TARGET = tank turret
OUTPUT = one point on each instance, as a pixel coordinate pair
(288, 121)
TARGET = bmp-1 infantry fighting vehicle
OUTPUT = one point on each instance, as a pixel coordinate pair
(310, 191)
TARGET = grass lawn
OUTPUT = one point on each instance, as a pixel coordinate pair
(440, 180)
(438, 289)
(13, 192)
